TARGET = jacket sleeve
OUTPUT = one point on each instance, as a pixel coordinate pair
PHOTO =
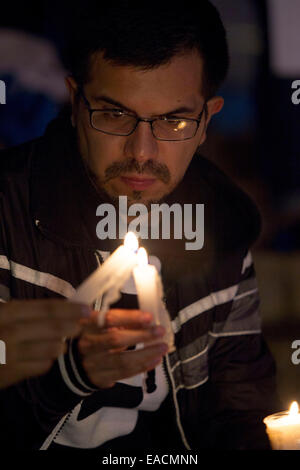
(242, 371)
(42, 402)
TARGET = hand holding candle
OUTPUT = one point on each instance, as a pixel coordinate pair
(105, 355)
(284, 429)
(109, 278)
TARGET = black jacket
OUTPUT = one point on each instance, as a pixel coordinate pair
(221, 376)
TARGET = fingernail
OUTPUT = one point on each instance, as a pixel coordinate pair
(163, 348)
(86, 310)
(158, 331)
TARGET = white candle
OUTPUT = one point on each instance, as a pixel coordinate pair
(150, 295)
(284, 429)
(110, 276)
(146, 285)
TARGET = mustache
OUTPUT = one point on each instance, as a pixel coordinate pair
(150, 167)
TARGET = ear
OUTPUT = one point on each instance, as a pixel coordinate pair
(72, 88)
(214, 106)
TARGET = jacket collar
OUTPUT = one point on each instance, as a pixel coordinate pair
(63, 200)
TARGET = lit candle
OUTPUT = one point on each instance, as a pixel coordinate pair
(284, 429)
(109, 278)
(150, 295)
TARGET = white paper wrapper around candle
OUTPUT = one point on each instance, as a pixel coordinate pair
(101, 280)
(283, 432)
(113, 290)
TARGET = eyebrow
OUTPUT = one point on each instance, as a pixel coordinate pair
(106, 99)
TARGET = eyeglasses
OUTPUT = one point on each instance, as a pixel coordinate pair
(115, 121)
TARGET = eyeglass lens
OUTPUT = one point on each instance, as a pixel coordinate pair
(118, 123)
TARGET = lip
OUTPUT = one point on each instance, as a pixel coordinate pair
(138, 183)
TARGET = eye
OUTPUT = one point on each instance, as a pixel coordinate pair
(113, 113)
(176, 123)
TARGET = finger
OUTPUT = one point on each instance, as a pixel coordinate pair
(124, 365)
(38, 351)
(115, 338)
(39, 330)
(44, 309)
(129, 318)
(108, 377)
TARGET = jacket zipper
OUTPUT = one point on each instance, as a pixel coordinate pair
(167, 371)
(64, 423)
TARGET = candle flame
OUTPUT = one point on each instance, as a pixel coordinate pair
(131, 241)
(142, 257)
(294, 409)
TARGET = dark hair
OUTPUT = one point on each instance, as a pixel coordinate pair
(147, 34)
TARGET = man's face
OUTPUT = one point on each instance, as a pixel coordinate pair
(140, 166)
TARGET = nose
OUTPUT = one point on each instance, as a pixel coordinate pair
(141, 144)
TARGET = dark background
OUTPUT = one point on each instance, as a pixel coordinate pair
(254, 139)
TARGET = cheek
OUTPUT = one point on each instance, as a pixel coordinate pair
(179, 161)
(99, 150)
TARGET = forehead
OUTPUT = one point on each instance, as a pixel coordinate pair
(177, 83)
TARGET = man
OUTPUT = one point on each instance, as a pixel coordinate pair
(142, 83)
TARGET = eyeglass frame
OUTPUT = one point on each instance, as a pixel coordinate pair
(140, 119)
